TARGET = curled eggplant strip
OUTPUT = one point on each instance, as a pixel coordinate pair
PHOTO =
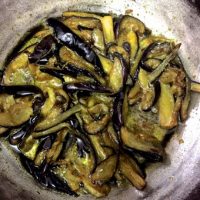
(66, 36)
(99, 149)
(195, 87)
(49, 103)
(42, 49)
(49, 131)
(59, 119)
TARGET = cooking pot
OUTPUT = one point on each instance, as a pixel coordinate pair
(178, 177)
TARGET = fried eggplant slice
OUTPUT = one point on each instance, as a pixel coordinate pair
(98, 39)
(140, 141)
(195, 87)
(105, 170)
(130, 23)
(131, 171)
(167, 107)
(107, 24)
(130, 39)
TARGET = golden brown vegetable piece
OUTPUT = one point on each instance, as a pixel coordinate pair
(105, 170)
(131, 172)
(141, 141)
(167, 108)
(107, 24)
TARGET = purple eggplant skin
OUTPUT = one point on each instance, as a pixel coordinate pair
(70, 70)
(85, 87)
(117, 112)
(45, 177)
(151, 157)
(58, 73)
(157, 92)
(21, 90)
(42, 49)
(74, 42)
(24, 130)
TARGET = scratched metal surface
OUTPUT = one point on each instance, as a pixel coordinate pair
(179, 175)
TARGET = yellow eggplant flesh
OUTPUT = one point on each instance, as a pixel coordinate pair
(116, 76)
(148, 91)
(105, 170)
(140, 141)
(114, 48)
(78, 23)
(66, 173)
(17, 72)
(147, 122)
(132, 24)
(29, 147)
(40, 158)
(195, 87)
(95, 189)
(130, 38)
(107, 25)
(98, 39)
(50, 102)
(16, 115)
(99, 149)
(107, 64)
(129, 171)
(167, 114)
(134, 94)
(80, 14)
(152, 63)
